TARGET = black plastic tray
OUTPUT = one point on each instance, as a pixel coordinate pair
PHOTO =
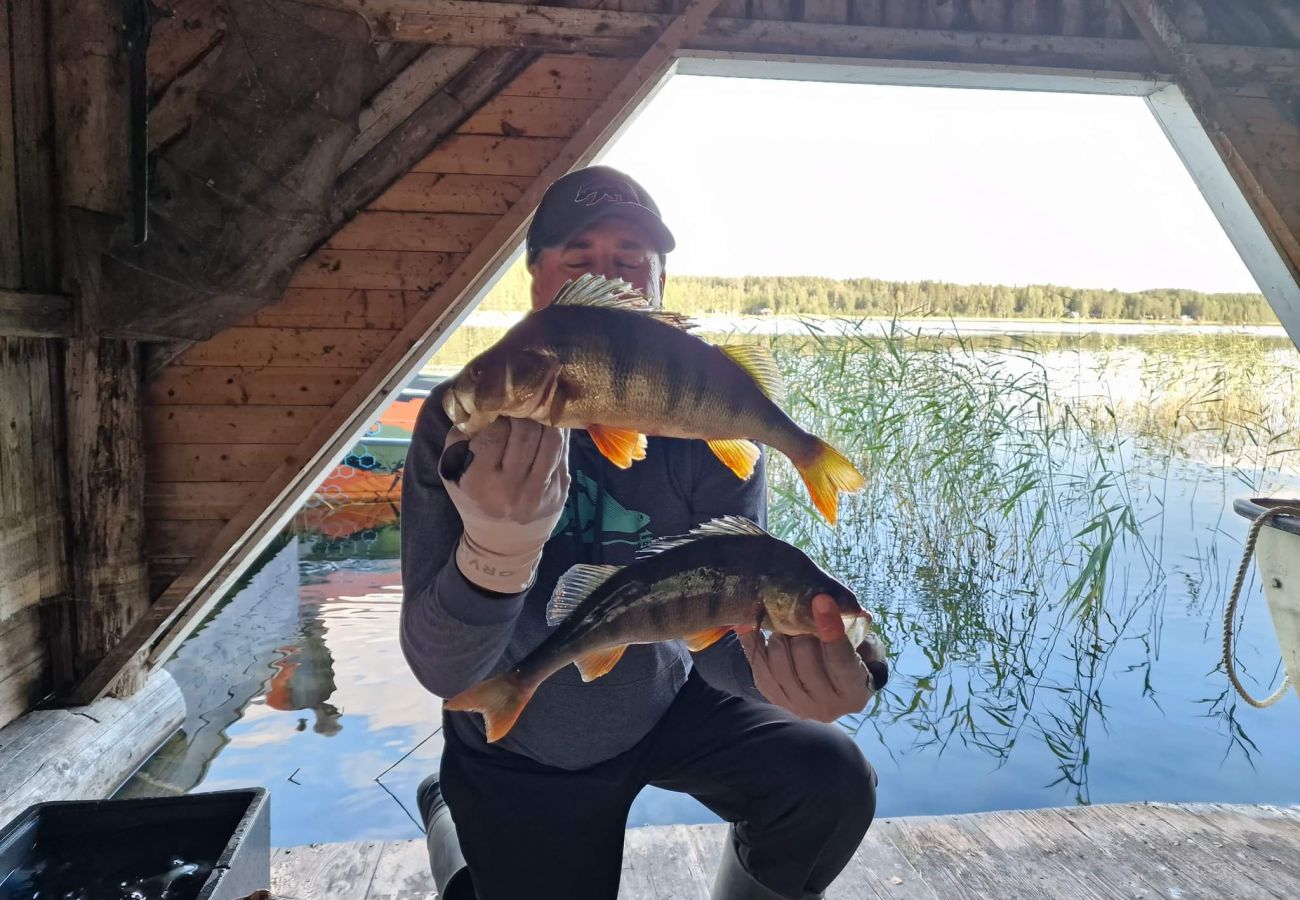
(111, 841)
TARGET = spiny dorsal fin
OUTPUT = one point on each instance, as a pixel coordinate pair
(725, 525)
(615, 293)
(759, 365)
(574, 586)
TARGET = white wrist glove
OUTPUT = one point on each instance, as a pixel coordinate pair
(509, 498)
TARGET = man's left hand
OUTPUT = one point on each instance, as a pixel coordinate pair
(821, 676)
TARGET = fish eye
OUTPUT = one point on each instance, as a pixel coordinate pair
(475, 371)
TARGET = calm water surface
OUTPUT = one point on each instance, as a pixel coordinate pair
(1002, 695)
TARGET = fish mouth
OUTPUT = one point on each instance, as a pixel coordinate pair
(460, 409)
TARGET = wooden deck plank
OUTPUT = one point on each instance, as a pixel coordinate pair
(325, 871)
(1111, 851)
(403, 873)
(1148, 842)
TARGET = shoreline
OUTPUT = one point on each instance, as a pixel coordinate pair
(836, 325)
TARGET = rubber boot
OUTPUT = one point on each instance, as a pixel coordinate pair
(450, 873)
(734, 882)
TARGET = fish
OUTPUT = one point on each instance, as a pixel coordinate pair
(697, 587)
(600, 358)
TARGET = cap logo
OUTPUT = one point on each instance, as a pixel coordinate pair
(593, 194)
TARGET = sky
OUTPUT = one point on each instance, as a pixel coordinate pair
(761, 177)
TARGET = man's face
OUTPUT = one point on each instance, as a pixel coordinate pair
(613, 247)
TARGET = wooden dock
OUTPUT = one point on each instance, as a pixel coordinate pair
(1090, 853)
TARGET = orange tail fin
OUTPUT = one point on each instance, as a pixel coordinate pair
(500, 700)
(828, 473)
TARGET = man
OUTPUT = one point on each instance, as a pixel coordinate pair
(542, 813)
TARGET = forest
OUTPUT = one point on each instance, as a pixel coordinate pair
(863, 297)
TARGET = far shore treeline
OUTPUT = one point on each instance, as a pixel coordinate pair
(863, 297)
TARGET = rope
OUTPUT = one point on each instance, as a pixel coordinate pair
(1231, 611)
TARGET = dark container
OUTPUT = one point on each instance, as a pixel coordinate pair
(92, 847)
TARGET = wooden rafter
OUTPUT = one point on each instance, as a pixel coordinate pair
(1234, 142)
(182, 605)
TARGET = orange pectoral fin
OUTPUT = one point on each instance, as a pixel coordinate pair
(701, 639)
(738, 456)
(599, 663)
(619, 446)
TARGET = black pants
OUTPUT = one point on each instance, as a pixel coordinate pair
(800, 794)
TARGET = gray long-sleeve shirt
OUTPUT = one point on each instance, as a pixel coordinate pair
(454, 635)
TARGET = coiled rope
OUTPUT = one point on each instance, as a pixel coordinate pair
(1231, 611)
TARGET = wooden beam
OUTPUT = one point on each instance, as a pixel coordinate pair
(33, 124)
(402, 96)
(11, 260)
(1234, 143)
(425, 128)
(577, 30)
(35, 315)
(182, 605)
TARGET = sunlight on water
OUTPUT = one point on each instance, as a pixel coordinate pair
(1046, 543)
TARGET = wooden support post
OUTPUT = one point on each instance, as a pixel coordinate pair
(103, 377)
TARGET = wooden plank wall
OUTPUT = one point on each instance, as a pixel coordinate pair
(32, 531)
(225, 413)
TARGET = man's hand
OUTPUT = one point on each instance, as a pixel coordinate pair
(820, 676)
(509, 498)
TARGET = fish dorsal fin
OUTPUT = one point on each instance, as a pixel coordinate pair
(615, 293)
(725, 525)
(759, 365)
(574, 586)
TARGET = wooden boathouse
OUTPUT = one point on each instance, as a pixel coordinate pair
(231, 230)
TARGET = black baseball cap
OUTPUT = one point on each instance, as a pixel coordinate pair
(580, 199)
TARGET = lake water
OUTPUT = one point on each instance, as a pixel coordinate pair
(1016, 682)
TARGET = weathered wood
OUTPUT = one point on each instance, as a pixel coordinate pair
(283, 110)
(59, 754)
(406, 93)
(20, 558)
(92, 104)
(423, 129)
(242, 462)
(510, 116)
(34, 150)
(325, 871)
(181, 538)
(325, 308)
(183, 424)
(47, 472)
(274, 347)
(11, 260)
(191, 29)
(1037, 853)
(436, 192)
(826, 11)
(35, 315)
(475, 154)
(253, 386)
(567, 77)
(106, 487)
(24, 664)
(1234, 143)
(428, 232)
(402, 873)
(176, 108)
(383, 269)
(190, 501)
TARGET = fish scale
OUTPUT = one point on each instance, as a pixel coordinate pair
(594, 360)
(728, 572)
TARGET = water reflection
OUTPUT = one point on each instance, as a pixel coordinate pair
(1006, 691)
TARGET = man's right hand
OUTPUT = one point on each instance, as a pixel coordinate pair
(509, 498)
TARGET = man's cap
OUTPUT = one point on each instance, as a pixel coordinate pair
(581, 199)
